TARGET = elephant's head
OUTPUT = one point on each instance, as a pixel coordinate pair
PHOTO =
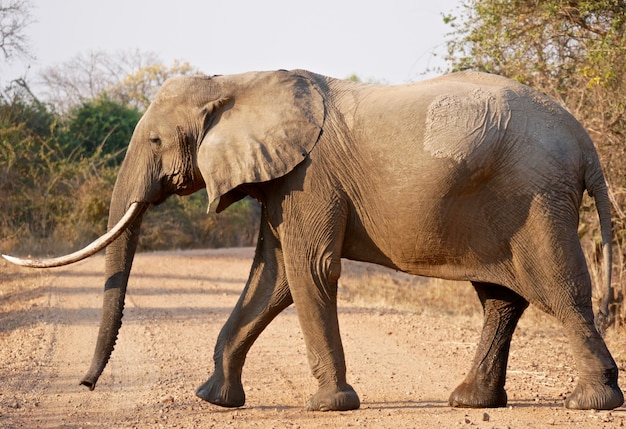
(220, 132)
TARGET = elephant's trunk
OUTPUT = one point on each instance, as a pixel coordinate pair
(121, 239)
(118, 262)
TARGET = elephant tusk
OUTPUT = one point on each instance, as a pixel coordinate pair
(97, 245)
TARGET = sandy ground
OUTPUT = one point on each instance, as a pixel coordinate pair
(403, 362)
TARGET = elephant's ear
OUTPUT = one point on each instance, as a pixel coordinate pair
(266, 125)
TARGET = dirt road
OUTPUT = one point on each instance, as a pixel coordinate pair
(403, 358)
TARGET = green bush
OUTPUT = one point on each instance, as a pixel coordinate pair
(100, 127)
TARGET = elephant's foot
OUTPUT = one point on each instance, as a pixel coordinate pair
(595, 395)
(473, 395)
(334, 399)
(217, 391)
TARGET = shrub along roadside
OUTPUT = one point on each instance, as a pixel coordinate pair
(57, 174)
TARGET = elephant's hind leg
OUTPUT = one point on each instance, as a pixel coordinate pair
(562, 288)
(597, 384)
(483, 386)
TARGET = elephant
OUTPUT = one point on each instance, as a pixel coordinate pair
(468, 176)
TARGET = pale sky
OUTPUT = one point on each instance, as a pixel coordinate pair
(391, 41)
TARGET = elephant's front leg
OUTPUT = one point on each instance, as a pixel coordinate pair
(484, 384)
(266, 294)
(316, 304)
(313, 265)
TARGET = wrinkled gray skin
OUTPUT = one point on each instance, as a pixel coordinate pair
(465, 177)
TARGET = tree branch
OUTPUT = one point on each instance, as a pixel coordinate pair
(15, 16)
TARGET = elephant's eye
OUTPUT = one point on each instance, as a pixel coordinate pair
(155, 140)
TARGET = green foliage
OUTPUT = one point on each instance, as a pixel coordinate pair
(101, 127)
(32, 115)
(552, 44)
(45, 194)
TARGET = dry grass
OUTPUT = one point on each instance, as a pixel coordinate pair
(382, 288)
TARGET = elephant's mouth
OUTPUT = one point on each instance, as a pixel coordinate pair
(160, 201)
(134, 211)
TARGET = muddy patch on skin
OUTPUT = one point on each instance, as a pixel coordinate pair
(456, 125)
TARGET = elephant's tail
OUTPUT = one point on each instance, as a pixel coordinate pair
(597, 188)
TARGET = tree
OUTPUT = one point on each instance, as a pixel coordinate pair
(26, 164)
(574, 51)
(14, 18)
(87, 75)
(129, 77)
(100, 127)
(18, 105)
(137, 89)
